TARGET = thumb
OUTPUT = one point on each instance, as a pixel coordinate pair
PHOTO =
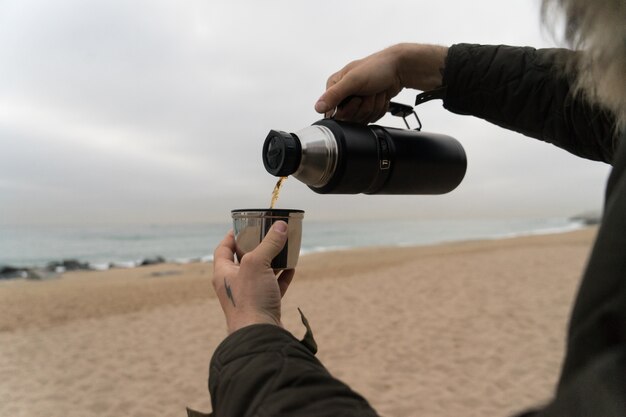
(273, 243)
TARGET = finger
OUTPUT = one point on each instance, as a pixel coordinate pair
(320, 105)
(380, 107)
(349, 110)
(284, 279)
(365, 110)
(336, 93)
(272, 244)
(334, 79)
(225, 251)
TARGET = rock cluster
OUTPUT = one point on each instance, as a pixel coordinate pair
(54, 269)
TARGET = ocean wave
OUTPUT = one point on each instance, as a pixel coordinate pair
(573, 226)
(99, 266)
(329, 248)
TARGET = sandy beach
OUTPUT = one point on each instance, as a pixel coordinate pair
(471, 328)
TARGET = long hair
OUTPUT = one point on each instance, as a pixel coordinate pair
(598, 29)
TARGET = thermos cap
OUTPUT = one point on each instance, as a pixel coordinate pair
(281, 153)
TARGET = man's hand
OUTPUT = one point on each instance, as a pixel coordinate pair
(361, 91)
(251, 292)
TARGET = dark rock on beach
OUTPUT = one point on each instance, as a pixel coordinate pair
(152, 261)
(74, 265)
(67, 265)
(9, 272)
(56, 268)
(588, 219)
(39, 274)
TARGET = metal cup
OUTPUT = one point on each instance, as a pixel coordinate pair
(251, 226)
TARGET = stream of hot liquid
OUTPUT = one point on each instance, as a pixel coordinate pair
(276, 191)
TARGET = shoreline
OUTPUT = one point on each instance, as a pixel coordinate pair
(56, 268)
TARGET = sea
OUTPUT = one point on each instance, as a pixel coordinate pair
(126, 246)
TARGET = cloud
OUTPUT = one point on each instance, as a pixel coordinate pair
(156, 110)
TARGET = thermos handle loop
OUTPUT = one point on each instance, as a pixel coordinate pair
(404, 111)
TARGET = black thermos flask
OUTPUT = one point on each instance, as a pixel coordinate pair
(348, 158)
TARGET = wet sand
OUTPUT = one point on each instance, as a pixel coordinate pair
(471, 328)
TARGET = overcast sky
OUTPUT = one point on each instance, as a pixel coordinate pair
(156, 111)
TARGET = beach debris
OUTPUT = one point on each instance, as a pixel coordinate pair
(165, 273)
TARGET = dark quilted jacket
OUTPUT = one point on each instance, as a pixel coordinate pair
(263, 371)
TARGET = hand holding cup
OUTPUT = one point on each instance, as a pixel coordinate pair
(250, 292)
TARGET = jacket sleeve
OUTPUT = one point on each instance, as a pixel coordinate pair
(263, 371)
(526, 90)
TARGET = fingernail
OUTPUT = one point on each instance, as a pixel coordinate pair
(321, 107)
(280, 227)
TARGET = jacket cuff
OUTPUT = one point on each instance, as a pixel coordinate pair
(250, 340)
(458, 78)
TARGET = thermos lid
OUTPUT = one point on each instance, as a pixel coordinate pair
(281, 153)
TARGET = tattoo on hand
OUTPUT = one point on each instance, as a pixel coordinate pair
(229, 292)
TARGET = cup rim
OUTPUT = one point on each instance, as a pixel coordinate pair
(267, 210)
(267, 213)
